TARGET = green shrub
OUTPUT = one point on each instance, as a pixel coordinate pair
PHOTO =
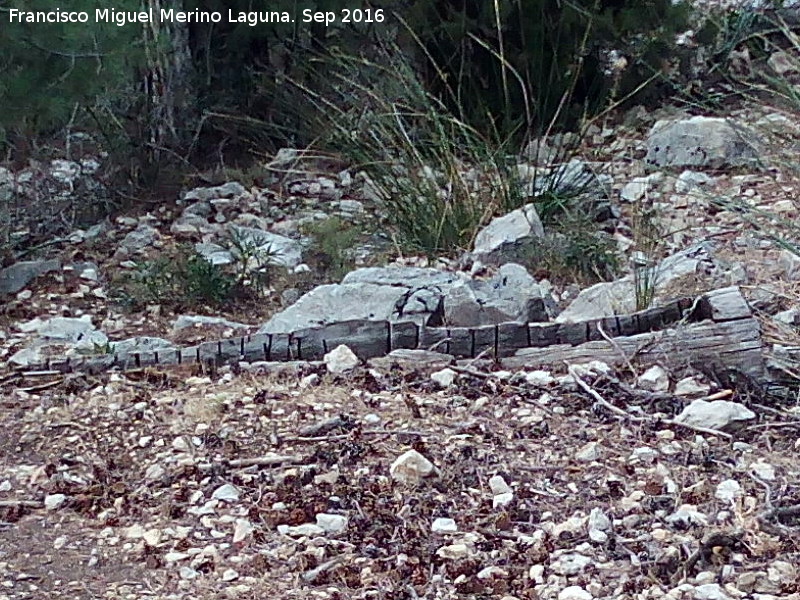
(648, 240)
(575, 252)
(254, 262)
(179, 279)
(436, 179)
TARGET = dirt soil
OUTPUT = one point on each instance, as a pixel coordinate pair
(174, 485)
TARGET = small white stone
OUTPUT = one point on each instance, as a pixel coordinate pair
(643, 454)
(89, 274)
(574, 592)
(710, 591)
(372, 419)
(309, 380)
(242, 530)
(134, 532)
(492, 572)
(588, 452)
(304, 530)
(230, 575)
(570, 564)
(539, 378)
(598, 524)
(689, 386)
(340, 360)
(180, 444)
(226, 493)
(501, 500)
(728, 490)
(686, 515)
(152, 537)
(172, 557)
(54, 501)
(302, 268)
(784, 207)
(453, 551)
(498, 485)
(154, 472)
(689, 180)
(635, 190)
(187, 573)
(536, 574)
(410, 467)
(655, 379)
(593, 367)
(444, 525)
(332, 523)
(763, 470)
(444, 378)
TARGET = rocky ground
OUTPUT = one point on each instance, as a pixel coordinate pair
(431, 481)
(309, 485)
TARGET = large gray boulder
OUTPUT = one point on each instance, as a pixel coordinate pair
(232, 189)
(619, 297)
(17, 276)
(415, 294)
(413, 277)
(338, 302)
(511, 295)
(510, 237)
(275, 249)
(59, 336)
(707, 142)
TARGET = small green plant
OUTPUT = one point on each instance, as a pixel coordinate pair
(181, 278)
(333, 241)
(103, 349)
(647, 239)
(574, 252)
(255, 261)
(206, 282)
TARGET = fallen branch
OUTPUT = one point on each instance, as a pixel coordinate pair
(618, 411)
(616, 346)
(312, 575)
(342, 436)
(774, 424)
(21, 503)
(258, 461)
(600, 400)
(43, 386)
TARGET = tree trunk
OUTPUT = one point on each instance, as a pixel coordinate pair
(168, 82)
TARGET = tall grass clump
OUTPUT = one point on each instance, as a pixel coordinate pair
(648, 238)
(436, 177)
(435, 119)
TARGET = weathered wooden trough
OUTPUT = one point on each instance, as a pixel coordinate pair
(718, 325)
